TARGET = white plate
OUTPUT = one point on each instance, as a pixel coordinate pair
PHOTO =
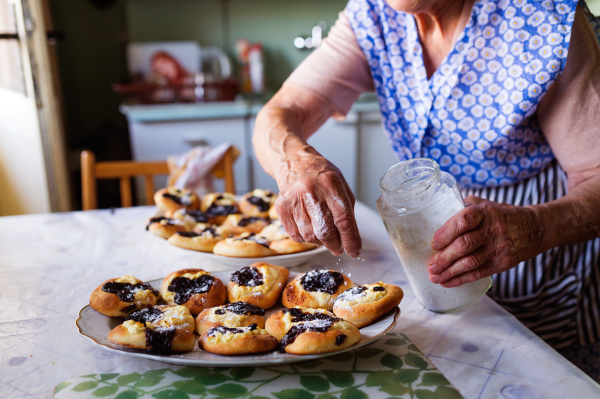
(289, 261)
(96, 327)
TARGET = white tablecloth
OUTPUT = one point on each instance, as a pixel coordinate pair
(49, 265)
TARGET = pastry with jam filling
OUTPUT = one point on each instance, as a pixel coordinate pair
(315, 289)
(202, 238)
(281, 241)
(258, 203)
(160, 330)
(238, 224)
(364, 304)
(246, 245)
(191, 217)
(164, 227)
(237, 340)
(170, 199)
(193, 288)
(118, 297)
(304, 331)
(218, 206)
(237, 314)
(260, 284)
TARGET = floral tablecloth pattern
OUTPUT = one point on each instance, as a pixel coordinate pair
(390, 367)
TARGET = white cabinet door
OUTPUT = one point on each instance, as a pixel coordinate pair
(157, 140)
(335, 141)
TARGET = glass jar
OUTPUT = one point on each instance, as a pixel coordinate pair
(417, 199)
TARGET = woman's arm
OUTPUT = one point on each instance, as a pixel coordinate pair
(315, 204)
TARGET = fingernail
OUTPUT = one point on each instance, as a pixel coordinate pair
(433, 268)
(435, 279)
(353, 254)
(436, 245)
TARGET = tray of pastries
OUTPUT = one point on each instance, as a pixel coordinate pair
(228, 229)
(257, 315)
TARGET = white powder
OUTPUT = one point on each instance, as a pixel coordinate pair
(317, 216)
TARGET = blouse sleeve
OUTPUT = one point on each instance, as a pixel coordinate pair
(569, 113)
(337, 71)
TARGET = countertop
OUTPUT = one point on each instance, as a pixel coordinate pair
(50, 264)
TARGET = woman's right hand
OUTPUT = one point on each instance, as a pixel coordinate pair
(315, 204)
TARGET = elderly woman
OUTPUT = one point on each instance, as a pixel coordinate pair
(505, 96)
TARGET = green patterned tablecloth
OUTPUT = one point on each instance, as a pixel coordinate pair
(390, 367)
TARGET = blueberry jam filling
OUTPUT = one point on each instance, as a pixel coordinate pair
(340, 339)
(249, 220)
(198, 216)
(180, 198)
(322, 281)
(232, 330)
(159, 340)
(188, 234)
(184, 287)
(316, 322)
(248, 276)
(125, 291)
(170, 222)
(378, 288)
(351, 294)
(241, 308)
(145, 315)
(221, 210)
(260, 203)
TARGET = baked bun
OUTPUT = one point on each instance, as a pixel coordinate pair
(191, 217)
(238, 224)
(238, 314)
(259, 284)
(170, 199)
(218, 206)
(315, 289)
(193, 288)
(363, 304)
(159, 329)
(247, 245)
(273, 213)
(118, 297)
(304, 331)
(165, 227)
(281, 241)
(237, 341)
(257, 203)
(202, 240)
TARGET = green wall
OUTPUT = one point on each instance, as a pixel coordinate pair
(274, 23)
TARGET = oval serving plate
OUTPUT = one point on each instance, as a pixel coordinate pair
(96, 326)
(287, 261)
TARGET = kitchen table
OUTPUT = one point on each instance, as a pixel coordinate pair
(50, 263)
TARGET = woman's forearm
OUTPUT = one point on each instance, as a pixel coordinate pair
(572, 219)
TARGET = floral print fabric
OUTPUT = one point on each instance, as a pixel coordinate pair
(476, 114)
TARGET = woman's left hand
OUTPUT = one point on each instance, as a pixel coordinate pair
(483, 239)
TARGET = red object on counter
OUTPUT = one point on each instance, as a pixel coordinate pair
(153, 93)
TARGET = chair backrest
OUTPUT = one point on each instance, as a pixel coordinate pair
(125, 170)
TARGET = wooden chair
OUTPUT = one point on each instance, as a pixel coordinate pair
(125, 170)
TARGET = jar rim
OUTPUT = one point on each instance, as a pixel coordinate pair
(427, 165)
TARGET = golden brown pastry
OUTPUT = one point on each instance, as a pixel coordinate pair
(237, 340)
(170, 199)
(273, 213)
(258, 203)
(247, 245)
(315, 289)
(281, 241)
(218, 206)
(364, 304)
(260, 284)
(202, 240)
(191, 217)
(238, 224)
(159, 329)
(304, 331)
(238, 314)
(193, 288)
(118, 297)
(165, 227)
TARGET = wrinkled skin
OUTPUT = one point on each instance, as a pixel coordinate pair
(483, 239)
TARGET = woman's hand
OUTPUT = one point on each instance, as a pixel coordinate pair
(315, 204)
(483, 239)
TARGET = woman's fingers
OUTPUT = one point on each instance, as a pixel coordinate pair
(465, 220)
(485, 270)
(342, 210)
(284, 210)
(460, 247)
(323, 226)
(463, 265)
